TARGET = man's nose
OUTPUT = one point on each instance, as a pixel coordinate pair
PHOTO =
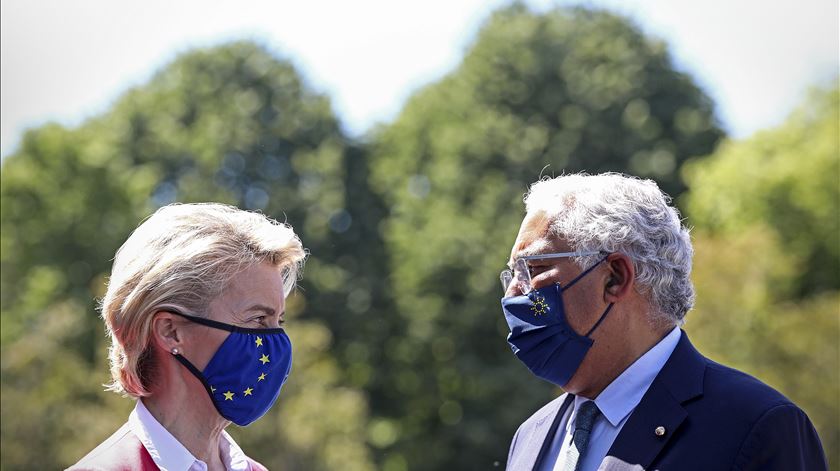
(514, 289)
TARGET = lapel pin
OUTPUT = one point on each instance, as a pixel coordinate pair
(659, 431)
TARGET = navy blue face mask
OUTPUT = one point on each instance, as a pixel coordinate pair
(540, 335)
(246, 373)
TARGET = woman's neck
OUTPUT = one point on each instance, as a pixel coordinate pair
(194, 422)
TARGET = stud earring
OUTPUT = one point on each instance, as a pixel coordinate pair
(175, 351)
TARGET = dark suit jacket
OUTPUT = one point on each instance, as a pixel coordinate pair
(123, 451)
(714, 417)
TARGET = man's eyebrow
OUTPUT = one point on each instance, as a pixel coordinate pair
(534, 247)
(532, 250)
(527, 252)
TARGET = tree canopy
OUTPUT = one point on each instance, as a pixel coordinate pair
(785, 179)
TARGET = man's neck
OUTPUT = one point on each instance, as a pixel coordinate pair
(643, 341)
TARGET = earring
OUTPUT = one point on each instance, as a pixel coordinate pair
(175, 351)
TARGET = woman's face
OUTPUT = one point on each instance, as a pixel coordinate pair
(253, 299)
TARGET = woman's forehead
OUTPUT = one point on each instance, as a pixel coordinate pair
(261, 285)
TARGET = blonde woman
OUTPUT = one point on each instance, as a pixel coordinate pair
(194, 309)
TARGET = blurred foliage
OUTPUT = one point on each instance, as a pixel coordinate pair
(575, 89)
(786, 178)
(767, 263)
(398, 334)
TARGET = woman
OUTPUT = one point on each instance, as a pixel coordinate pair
(194, 309)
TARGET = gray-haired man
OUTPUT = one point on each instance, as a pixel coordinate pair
(598, 285)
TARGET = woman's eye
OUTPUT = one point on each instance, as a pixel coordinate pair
(265, 321)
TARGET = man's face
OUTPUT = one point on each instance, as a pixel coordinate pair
(584, 301)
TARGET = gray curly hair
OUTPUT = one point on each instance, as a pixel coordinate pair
(612, 212)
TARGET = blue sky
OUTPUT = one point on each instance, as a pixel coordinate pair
(66, 61)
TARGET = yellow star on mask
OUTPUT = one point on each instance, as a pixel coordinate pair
(264, 359)
(212, 389)
(258, 341)
(248, 391)
(261, 377)
(228, 396)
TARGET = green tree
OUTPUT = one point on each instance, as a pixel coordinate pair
(766, 212)
(575, 89)
(785, 178)
(231, 124)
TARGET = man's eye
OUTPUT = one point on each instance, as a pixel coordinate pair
(535, 270)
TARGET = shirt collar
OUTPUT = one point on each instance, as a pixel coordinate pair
(169, 454)
(625, 392)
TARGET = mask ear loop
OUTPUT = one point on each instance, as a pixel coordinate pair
(603, 316)
(576, 279)
(222, 326)
(200, 376)
(585, 272)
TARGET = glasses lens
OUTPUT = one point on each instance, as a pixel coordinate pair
(518, 275)
(506, 277)
(523, 276)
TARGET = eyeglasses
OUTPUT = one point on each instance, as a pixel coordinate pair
(521, 273)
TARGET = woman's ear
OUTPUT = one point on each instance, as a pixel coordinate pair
(165, 331)
(620, 279)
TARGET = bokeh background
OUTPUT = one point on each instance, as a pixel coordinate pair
(409, 197)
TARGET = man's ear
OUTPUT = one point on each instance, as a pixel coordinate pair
(166, 332)
(621, 277)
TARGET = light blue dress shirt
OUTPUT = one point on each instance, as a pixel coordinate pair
(616, 402)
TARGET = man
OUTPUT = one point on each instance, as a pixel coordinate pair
(599, 283)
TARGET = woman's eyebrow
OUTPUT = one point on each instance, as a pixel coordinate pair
(261, 307)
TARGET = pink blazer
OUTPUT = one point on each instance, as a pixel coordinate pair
(123, 451)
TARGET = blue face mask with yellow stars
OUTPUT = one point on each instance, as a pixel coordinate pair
(540, 335)
(246, 373)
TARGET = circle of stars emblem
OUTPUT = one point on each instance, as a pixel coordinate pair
(229, 395)
(539, 307)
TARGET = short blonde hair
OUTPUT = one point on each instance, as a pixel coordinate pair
(184, 255)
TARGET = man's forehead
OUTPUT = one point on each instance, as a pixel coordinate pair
(535, 237)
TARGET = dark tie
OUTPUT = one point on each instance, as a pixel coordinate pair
(586, 415)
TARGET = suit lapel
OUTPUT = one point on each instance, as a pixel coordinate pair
(548, 435)
(680, 380)
(537, 442)
(637, 443)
